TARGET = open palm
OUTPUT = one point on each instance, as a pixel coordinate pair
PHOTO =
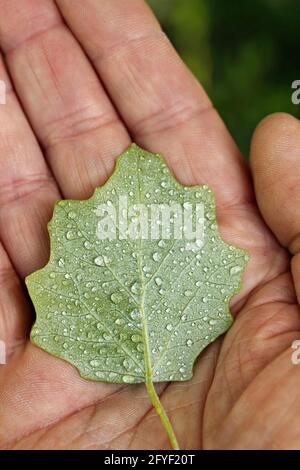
(87, 78)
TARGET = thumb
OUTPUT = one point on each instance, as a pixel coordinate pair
(275, 163)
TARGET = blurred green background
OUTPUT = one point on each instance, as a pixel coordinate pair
(245, 53)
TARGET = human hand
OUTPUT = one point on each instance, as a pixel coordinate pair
(81, 91)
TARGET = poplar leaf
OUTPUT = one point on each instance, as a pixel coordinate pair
(142, 303)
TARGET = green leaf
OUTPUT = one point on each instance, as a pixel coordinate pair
(138, 306)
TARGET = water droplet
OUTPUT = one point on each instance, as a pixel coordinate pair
(61, 262)
(212, 322)
(135, 288)
(158, 281)
(156, 256)
(116, 297)
(136, 338)
(235, 270)
(107, 259)
(128, 364)
(189, 343)
(99, 261)
(112, 375)
(128, 379)
(120, 321)
(161, 243)
(70, 235)
(52, 275)
(169, 327)
(182, 370)
(88, 245)
(204, 300)
(188, 293)
(72, 215)
(95, 363)
(210, 215)
(135, 315)
(106, 337)
(100, 374)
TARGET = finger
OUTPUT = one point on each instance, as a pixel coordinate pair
(164, 107)
(275, 153)
(15, 313)
(62, 95)
(27, 190)
(275, 161)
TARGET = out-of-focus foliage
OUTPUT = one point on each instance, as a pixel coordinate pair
(245, 53)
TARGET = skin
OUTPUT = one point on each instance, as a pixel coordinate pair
(81, 89)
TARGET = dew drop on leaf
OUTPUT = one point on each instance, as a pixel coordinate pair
(106, 336)
(135, 288)
(128, 379)
(99, 261)
(156, 256)
(116, 297)
(188, 293)
(136, 338)
(72, 215)
(235, 270)
(135, 314)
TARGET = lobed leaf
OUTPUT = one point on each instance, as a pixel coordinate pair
(129, 309)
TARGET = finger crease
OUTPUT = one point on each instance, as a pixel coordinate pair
(19, 189)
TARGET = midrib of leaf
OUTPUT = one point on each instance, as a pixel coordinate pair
(145, 338)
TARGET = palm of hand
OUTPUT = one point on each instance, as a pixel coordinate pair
(244, 389)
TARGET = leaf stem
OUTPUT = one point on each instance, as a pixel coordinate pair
(161, 413)
(145, 335)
